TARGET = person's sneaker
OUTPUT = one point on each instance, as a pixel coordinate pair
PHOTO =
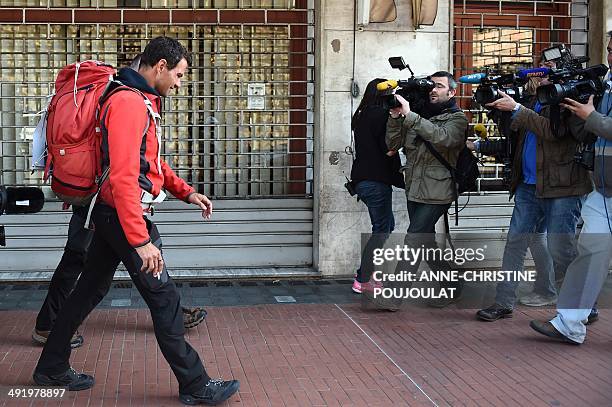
(70, 378)
(493, 313)
(193, 317)
(369, 286)
(593, 316)
(40, 337)
(537, 300)
(372, 302)
(443, 302)
(547, 329)
(214, 392)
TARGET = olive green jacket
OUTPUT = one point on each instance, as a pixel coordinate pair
(427, 180)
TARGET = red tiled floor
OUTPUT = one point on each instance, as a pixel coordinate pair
(327, 355)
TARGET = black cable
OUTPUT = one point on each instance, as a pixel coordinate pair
(352, 146)
(464, 206)
(603, 155)
(603, 183)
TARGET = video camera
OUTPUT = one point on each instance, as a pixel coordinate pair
(573, 83)
(19, 200)
(414, 90)
(569, 79)
(489, 86)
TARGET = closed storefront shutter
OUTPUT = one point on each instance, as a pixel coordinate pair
(239, 129)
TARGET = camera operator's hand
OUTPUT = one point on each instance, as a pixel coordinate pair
(504, 104)
(203, 202)
(581, 110)
(403, 110)
(391, 153)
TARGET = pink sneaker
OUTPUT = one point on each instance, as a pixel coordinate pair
(369, 286)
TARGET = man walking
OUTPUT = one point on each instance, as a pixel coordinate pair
(70, 268)
(588, 272)
(122, 234)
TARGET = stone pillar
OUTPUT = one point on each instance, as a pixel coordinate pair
(339, 218)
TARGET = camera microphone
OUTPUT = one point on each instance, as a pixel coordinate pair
(474, 78)
(21, 200)
(386, 85)
(534, 73)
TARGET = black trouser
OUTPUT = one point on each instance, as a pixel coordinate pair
(67, 271)
(421, 233)
(109, 247)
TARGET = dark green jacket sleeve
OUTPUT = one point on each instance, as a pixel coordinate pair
(396, 134)
(447, 135)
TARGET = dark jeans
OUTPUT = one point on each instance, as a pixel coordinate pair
(67, 271)
(377, 196)
(558, 216)
(108, 249)
(421, 233)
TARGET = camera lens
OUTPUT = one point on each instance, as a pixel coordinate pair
(551, 94)
(484, 95)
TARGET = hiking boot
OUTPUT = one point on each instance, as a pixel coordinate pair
(537, 300)
(40, 337)
(193, 317)
(70, 378)
(214, 392)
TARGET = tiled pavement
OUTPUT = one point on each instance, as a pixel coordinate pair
(328, 352)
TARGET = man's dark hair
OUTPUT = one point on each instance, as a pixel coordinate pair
(610, 34)
(164, 48)
(452, 83)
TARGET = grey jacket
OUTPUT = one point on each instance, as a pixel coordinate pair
(601, 126)
(427, 180)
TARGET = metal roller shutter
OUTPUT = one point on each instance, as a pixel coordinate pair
(239, 130)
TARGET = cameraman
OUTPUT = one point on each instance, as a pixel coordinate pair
(429, 186)
(547, 185)
(588, 272)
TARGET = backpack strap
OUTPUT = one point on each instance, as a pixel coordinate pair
(113, 87)
(446, 164)
(447, 231)
(88, 224)
(116, 86)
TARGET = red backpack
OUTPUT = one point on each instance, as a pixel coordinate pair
(73, 133)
